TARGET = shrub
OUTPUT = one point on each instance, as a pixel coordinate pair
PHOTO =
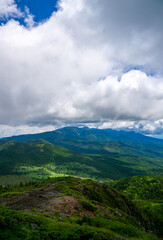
(88, 206)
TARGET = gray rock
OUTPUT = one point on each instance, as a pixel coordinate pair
(118, 214)
(120, 238)
(149, 231)
(34, 226)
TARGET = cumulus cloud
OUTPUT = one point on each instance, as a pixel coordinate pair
(72, 67)
(147, 127)
(136, 96)
(9, 8)
(29, 18)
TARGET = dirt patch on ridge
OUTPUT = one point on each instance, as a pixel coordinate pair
(46, 201)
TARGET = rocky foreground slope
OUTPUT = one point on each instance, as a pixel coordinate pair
(72, 208)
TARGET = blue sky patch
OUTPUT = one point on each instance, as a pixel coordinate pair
(40, 9)
(133, 67)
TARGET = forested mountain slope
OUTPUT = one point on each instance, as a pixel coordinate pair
(39, 159)
(91, 140)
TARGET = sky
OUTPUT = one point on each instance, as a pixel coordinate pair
(94, 63)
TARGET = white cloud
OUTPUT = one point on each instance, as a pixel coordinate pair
(9, 8)
(146, 127)
(135, 97)
(68, 69)
(118, 125)
(29, 19)
(7, 131)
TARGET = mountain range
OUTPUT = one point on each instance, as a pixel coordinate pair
(101, 154)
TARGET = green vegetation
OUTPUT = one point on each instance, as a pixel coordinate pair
(100, 141)
(47, 202)
(83, 152)
(17, 225)
(147, 193)
(143, 187)
(38, 159)
(126, 230)
(13, 179)
(88, 206)
(71, 208)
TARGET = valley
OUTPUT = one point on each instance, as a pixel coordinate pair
(89, 153)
